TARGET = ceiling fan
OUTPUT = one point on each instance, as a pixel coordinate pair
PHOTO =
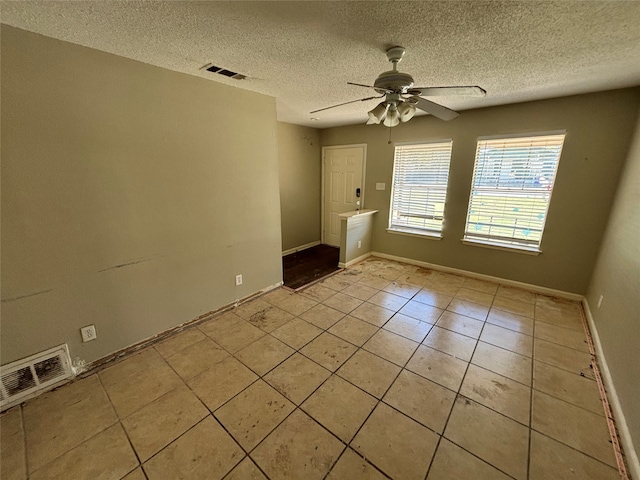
(401, 98)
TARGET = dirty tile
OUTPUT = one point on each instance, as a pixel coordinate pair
(298, 448)
(369, 372)
(452, 462)
(360, 291)
(438, 367)
(388, 301)
(179, 341)
(349, 275)
(264, 354)
(402, 289)
(232, 334)
(460, 346)
(353, 330)
(563, 357)
(573, 426)
(391, 347)
(517, 294)
(352, 465)
(335, 283)
(106, 456)
(558, 312)
(433, 298)
(397, 445)
(343, 302)
(499, 393)
(480, 285)
(297, 377)
(250, 308)
(373, 282)
(504, 362)
(221, 382)
(551, 460)
(322, 316)
(511, 321)
(228, 321)
(270, 318)
(253, 414)
(421, 399)
(297, 333)
(496, 439)
(408, 327)
(461, 324)
(421, 311)
(475, 296)
(562, 336)
(296, 304)
(580, 391)
(137, 474)
(205, 451)
(443, 285)
(340, 407)
(372, 314)
(317, 292)
(328, 351)
(514, 306)
(468, 309)
(12, 452)
(508, 339)
(51, 425)
(196, 358)
(246, 470)
(156, 425)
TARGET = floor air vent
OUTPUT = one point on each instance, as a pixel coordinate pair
(25, 377)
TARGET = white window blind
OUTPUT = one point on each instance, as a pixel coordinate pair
(511, 188)
(419, 191)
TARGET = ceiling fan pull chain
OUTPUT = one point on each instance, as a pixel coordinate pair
(389, 142)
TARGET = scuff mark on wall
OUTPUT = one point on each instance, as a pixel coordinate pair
(128, 264)
(20, 297)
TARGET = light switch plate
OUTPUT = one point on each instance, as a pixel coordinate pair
(380, 186)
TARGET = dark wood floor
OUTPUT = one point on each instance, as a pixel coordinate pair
(309, 265)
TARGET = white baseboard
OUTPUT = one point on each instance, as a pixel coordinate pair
(300, 248)
(504, 281)
(354, 261)
(621, 424)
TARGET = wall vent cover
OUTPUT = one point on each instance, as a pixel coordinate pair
(223, 71)
(25, 377)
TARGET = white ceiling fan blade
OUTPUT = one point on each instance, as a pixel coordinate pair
(377, 89)
(346, 103)
(472, 91)
(443, 113)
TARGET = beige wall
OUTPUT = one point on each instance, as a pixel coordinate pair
(299, 163)
(617, 278)
(599, 128)
(131, 197)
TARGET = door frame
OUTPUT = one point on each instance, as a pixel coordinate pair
(322, 177)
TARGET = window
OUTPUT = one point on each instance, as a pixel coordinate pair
(419, 191)
(511, 189)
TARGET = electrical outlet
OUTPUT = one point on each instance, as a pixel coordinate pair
(88, 333)
(238, 279)
(600, 300)
(359, 243)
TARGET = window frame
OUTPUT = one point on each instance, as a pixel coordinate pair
(421, 232)
(512, 243)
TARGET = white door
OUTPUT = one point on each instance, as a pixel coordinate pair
(343, 175)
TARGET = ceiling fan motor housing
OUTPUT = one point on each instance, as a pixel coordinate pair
(395, 81)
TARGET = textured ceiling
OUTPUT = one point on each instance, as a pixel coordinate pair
(303, 53)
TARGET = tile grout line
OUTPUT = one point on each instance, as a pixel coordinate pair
(24, 441)
(533, 364)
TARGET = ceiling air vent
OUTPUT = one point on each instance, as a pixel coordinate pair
(223, 71)
(25, 377)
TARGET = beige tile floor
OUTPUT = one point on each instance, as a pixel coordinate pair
(384, 370)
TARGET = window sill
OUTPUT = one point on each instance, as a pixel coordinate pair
(427, 235)
(504, 248)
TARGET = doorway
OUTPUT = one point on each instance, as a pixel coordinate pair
(343, 169)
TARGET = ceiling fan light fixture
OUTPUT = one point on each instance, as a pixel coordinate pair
(393, 118)
(406, 111)
(377, 114)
